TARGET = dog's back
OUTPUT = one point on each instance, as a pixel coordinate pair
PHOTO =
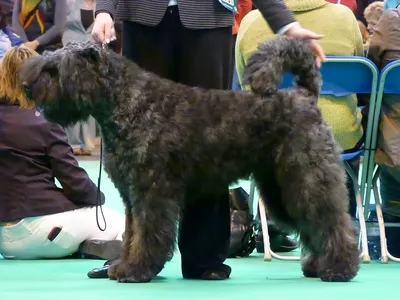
(267, 65)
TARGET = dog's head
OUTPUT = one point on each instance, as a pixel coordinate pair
(70, 83)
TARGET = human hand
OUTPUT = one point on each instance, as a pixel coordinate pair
(102, 28)
(32, 45)
(299, 32)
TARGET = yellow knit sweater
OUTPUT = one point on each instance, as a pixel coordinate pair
(342, 37)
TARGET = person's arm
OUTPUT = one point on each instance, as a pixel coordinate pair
(60, 18)
(279, 18)
(16, 24)
(75, 182)
(379, 40)
(14, 38)
(108, 6)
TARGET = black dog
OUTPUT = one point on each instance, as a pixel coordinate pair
(162, 139)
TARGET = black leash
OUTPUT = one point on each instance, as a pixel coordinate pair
(98, 200)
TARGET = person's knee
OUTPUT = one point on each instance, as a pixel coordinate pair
(389, 185)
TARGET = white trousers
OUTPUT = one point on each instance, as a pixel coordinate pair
(29, 239)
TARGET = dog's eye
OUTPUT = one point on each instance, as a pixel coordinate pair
(27, 90)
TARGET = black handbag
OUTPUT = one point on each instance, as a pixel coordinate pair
(243, 226)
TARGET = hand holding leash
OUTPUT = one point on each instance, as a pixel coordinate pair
(103, 28)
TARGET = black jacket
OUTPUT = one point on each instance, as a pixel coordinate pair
(33, 152)
(194, 14)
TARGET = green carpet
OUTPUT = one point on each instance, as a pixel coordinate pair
(251, 277)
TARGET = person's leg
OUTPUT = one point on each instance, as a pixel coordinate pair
(202, 65)
(355, 165)
(152, 48)
(232, 71)
(59, 235)
(235, 77)
(390, 190)
(73, 134)
(80, 225)
(88, 134)
(390, 198)
(235, 81)
(81, 136)
(205, 227)
(204, 236)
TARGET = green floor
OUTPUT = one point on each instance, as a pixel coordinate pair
(251, 278)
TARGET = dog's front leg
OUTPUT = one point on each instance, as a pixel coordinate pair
(127, 240)
(153, 227)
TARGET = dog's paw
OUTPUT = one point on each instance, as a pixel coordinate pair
(333, 277)
(129, 273)
(310, 267)
(134, 274)
(340, 272)
(113, 270)
(340, 268)
(136, 278)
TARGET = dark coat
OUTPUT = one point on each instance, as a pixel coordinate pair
(384, 48)
(194, 14)
(33, 153)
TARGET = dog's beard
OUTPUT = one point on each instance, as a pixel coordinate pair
(62, 115)
(53, 112)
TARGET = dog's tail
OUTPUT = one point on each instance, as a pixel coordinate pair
(269, 62)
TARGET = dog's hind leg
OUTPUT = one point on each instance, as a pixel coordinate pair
(312, 200)
(310, 257)
(155, 214)
(316, 199)
(339, 260)
(271, 195)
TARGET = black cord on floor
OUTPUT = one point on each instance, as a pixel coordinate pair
(98, 199)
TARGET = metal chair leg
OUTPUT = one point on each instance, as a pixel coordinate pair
(363, 227)
(385, 255)
(268, 253)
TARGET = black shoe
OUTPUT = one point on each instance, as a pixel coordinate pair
(100, 249)
(220, 272)
(279, 242)
(283, 243)
(99, 272)
(103, 271)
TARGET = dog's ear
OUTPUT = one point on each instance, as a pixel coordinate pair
(34, 67)
(92, 52)
(37, 74)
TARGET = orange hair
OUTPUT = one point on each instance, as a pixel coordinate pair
(11, 88)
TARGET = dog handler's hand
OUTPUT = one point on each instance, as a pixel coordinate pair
(299, 32)
(102, 28)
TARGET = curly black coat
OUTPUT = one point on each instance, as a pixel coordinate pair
(162, 139)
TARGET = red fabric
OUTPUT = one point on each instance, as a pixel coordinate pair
(352, 4)
(244, 7)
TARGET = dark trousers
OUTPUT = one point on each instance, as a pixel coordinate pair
(197, 58)
(235, 84)
(390, 191)
(355, 165)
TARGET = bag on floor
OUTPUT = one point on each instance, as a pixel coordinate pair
(243, 228)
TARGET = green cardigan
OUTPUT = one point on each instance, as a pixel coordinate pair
(341, 37)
